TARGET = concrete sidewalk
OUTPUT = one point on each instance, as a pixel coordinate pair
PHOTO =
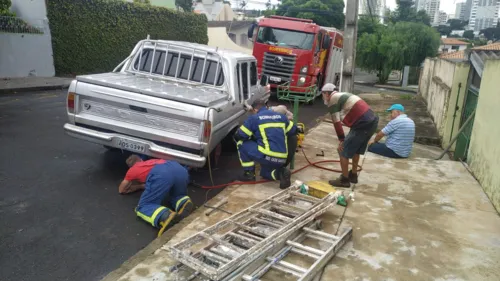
(416, 219)
(27, 84)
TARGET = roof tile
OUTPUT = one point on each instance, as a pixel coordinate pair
(452, 41)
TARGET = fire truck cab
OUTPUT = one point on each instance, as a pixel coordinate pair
(297, 55)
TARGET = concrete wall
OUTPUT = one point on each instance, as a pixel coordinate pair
(438, 87)
(484, 150)
(23, 54)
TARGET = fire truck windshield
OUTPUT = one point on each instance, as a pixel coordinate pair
(286, 38)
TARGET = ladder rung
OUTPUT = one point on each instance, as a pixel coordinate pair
(271, 214)
(221, 252)
(250, 229)
(319, 238)
(286, 210)
(249, 235)
(222, 242)
(215, 256)
(266, 222)
(286, 270)
(243, 237)
(291, 206)
(305, 248)
(249, 278)
(288, 265)
(321, 233)
(305, 197)
(305, 253)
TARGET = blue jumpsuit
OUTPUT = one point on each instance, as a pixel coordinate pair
(169, 179)
(263, 139)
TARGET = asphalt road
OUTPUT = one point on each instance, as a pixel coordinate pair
(61, 217)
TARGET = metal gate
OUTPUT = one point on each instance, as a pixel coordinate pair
(463, 140)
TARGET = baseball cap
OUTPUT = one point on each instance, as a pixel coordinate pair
(396, 106)
(328, 87)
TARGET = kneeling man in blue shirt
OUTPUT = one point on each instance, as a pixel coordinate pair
(400, 133)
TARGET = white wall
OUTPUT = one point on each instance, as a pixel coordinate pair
(24, 54)
(460, 48)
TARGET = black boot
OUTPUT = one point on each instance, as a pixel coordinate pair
(247, 176)
(340, 182)
(285, 178)
(353, 178)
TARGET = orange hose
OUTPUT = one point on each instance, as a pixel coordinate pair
(314, 164)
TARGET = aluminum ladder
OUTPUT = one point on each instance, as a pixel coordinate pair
(221, 249)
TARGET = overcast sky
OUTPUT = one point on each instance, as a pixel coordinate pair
(447, 6)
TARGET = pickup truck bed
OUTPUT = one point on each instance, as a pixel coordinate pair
(197, 96)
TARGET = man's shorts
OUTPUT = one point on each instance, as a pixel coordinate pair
(357, 140)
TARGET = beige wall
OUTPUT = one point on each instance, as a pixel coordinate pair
(484, 149)
(217, 37)
(438, 87)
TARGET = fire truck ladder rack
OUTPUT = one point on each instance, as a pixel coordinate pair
(286, 92)
(239, 240)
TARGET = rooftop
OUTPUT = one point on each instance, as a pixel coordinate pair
(459, 55)
(490, 47)
(452, 41)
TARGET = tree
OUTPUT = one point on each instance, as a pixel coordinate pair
(394, 46)
(469, 34)
(405, 11)
(492, 33)
(147, 2)
(185, 5)
(268, 5)
(444, 30)
(456, 24)
(367, 24)
(243, 4)
(322, 12)
(4, 8)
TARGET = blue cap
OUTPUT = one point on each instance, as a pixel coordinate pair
(396, 106)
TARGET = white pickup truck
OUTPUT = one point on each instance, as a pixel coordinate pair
(156, 104)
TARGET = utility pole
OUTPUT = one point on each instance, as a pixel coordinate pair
(350, 38)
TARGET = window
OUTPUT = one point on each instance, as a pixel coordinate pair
(244, 79)
(238, 78)
(173, 65)
(318, 42)
(286, 38)
(253, 74)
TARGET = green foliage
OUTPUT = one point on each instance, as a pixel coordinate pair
(405, 11)
(322, 12)
(469, 34)
(4, 9)
(91, 36)
(456, 24)
(268, 13)
(147, 2)
(394, 46)
(444, 30)
(268, 5)
(186, 5)
(492, 33)
(367, 24)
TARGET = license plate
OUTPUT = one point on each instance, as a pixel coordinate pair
(274, 79)
(130, 145)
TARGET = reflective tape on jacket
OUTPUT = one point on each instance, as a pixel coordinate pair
(151, 219)
(267, 148)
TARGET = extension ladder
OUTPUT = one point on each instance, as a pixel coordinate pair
(240, 239)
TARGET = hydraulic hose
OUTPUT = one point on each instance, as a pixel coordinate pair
(310, 164)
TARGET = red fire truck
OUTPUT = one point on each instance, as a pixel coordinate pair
(297, 55)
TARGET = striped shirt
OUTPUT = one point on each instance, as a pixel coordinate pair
(400, 134)
(351, 110)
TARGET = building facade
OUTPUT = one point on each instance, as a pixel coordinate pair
(460, 11)
(372, 7)
(432, 9)
(484, 14)
(443, 18)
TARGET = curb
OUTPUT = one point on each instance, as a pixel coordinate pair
(413, 91)
(34, 89)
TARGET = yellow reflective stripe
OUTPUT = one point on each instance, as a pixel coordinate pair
(246, 130)
(180, 200)
(272, 174)
(151, 219)
(266, 149)
(243, 164)
(290, 125)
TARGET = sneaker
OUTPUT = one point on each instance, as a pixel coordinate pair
(352, 177)
(165, 221)
(340, 182)
(184, 208)
(285, 176)
(247, 176)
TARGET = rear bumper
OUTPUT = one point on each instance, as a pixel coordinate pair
(150, 148)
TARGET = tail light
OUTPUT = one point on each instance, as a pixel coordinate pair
(71, 102)
(207, 130)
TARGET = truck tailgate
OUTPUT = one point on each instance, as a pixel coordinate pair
(197, 96)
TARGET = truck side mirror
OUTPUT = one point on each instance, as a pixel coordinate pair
(250, 32)
(264, 80)
(326, 42)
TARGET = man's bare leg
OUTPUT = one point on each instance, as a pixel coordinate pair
(344, 164)
(355, 162)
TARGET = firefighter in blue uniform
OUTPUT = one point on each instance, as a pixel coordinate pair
(263, 138)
